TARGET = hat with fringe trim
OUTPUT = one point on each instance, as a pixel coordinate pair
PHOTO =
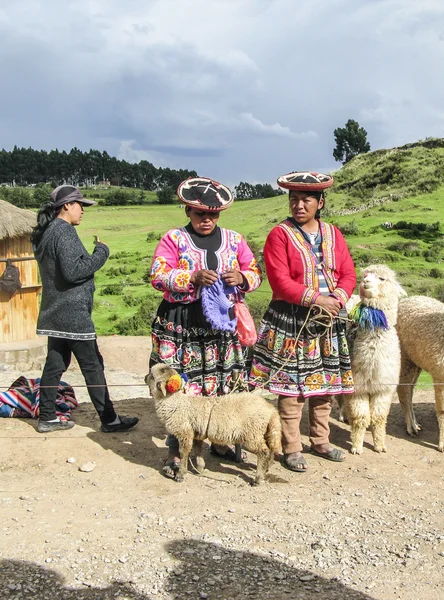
(305, 181)
(205, 194)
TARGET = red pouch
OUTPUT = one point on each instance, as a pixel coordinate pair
(246, 329)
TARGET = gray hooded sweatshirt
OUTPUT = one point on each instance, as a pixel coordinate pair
(67, 272)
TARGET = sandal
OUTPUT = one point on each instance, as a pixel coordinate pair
(170, 467)
(229, 453)
(295, 463)
(334, 454)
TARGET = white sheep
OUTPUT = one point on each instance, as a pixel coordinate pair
(421, 334)
(375, 356)
(243, 418)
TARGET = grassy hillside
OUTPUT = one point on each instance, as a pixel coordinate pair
(403, 186)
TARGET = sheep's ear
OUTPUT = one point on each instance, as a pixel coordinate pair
(161, 386)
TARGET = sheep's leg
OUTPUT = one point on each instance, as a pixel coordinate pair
(439, 404)
(200, 462)
(185, 446)
(263, 458)
(342, 416)
(358, 411)
(408, 377)
(270, 461)
(379, 410)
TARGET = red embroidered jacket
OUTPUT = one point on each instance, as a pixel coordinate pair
(292, 269)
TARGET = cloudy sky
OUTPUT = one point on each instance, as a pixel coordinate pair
(235, 89)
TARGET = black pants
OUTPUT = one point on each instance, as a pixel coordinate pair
(90, 362)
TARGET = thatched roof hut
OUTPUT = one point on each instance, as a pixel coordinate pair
(15, 222)
(18, 313)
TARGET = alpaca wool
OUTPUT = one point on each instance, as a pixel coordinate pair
(369, 318)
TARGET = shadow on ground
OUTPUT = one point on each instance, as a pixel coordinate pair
(204, 570)
(20, 579)
(425, 414)
(208, 570)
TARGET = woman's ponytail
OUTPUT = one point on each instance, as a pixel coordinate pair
(46, 215)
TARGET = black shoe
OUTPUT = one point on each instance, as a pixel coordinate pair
(48, 426)
(125, 424)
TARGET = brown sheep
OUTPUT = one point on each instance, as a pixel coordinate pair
(244, 418)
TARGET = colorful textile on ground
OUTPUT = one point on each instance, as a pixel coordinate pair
(23, 399)
(183, 339)
(369, 318)
(216, 306)
(318, 365)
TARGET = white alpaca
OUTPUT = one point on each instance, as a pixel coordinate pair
(421, 334)
(375, 357)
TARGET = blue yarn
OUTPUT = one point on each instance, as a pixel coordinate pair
(369, 318)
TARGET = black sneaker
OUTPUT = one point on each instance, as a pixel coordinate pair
(125, 424)
(49, 426)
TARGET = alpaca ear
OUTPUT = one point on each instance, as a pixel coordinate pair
(401, 291)
(161, 386)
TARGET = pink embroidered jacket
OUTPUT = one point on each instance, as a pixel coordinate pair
(177, 257)
(292, 269)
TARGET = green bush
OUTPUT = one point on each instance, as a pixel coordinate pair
(166, 195)
(120, 198)
(351, 228)
(140, 323)
(406, 248)
(153, 236)
(130, 300)
(121, 254)
(436, 273)
(438, 292)
(19, 197)
(111, 290)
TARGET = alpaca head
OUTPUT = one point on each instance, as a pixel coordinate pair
(163, 381)
(379, 288)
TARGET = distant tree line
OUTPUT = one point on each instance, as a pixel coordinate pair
(34, 197)
(247, 191)
(25, 166)
(44, 170)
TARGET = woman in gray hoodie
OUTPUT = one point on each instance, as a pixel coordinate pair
(67, 273)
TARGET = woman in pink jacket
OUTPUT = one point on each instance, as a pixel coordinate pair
(187, 260)
(308, 264)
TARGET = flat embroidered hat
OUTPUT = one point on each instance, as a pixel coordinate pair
(305, 181)
(205, 194)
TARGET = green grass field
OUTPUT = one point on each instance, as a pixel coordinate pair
(397, 185)
(132, 234)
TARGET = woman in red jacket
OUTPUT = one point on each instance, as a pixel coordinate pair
(308, 263)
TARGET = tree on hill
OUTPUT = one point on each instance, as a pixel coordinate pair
(351, 140)
(166, 195)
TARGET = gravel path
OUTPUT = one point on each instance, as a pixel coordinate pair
(370, 528)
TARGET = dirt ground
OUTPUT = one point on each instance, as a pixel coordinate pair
(370, 528)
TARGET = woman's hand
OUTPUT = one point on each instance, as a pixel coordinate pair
(329, 303)
(233, 277)
(204, 277)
